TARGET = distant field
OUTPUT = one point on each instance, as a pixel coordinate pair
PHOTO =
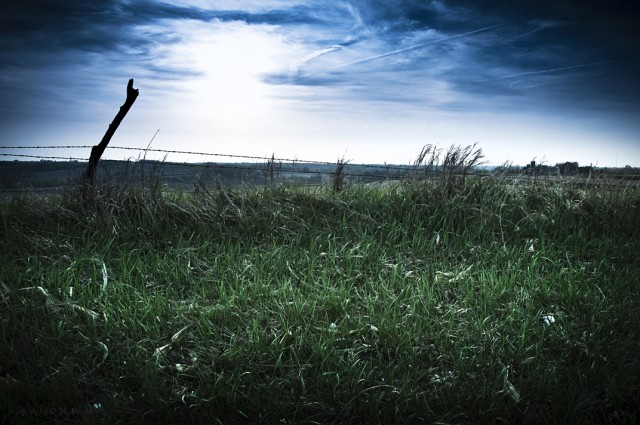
(483, 301)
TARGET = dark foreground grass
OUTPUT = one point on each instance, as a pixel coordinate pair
(490, 303)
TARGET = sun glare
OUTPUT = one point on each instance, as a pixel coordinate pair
(228, 62)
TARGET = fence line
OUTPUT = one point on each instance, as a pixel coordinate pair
(68, 158)
(295, 160)
(261, 168)
(267, 170)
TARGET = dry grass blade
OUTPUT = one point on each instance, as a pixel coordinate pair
(105, 277)
(509, 388)
(105, 353)
(429, 158)
(176, 336)
(92, 314)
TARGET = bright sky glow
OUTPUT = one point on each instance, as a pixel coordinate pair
(367, 80)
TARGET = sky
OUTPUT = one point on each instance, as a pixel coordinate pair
(370, 81)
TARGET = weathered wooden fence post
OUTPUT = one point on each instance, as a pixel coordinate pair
(89, 175)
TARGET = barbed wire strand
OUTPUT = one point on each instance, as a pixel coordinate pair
(262, 168)
(263, 158)
(68, 158)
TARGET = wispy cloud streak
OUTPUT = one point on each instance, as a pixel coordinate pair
(405, 49)
(295, 67)
(545, 71)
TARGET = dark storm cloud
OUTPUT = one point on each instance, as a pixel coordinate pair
(79, 25)
(527, 35)
(108, 25)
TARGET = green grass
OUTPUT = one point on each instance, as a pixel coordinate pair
(396, 304)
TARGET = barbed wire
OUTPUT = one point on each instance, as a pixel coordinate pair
(262, 158)
(263, 168)
(270, 170)
(68, 158)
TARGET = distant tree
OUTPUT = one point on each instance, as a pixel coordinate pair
(568, 167)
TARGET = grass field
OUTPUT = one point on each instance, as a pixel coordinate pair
(481, 301)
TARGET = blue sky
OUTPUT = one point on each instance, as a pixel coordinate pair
(369, 80)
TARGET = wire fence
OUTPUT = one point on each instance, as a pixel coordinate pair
(249, 169)
(277, 165)
(51, 173)
(206, 154)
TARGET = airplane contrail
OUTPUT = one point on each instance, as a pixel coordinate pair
(293, 69)
(405, 49)
(543, 71)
